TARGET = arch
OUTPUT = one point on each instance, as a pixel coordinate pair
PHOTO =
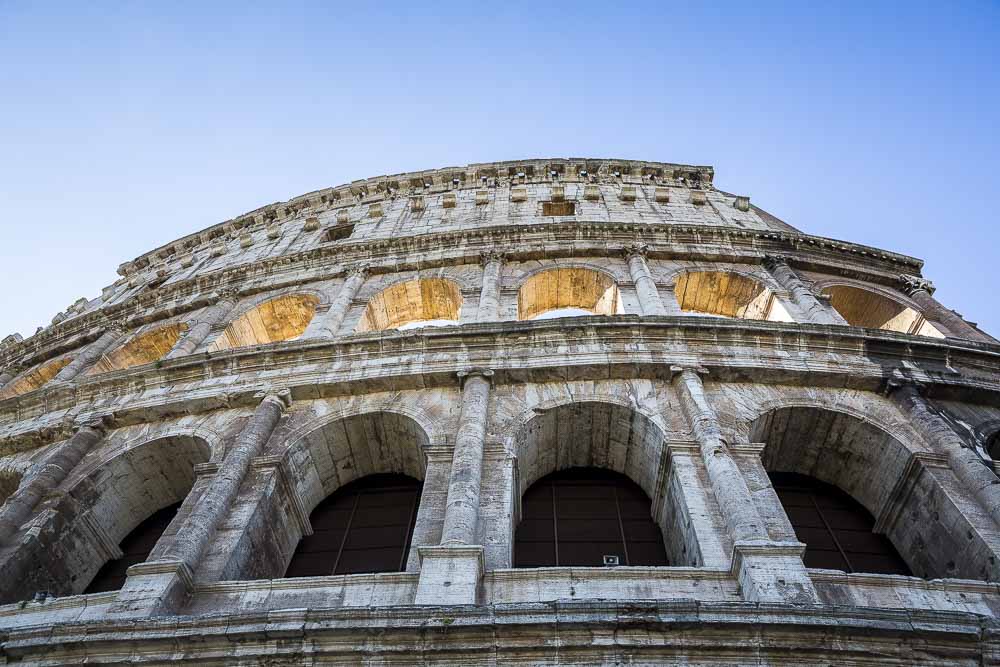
(728, 294)
(411, 303)
(278, 319)
(571, 289)
(144, 348)
(34, 378)
(348, 448)
(870, 465)
(837, 530)
(993, 446)
(135, 547)
(587, 517)
(867, 308)
(364, 526)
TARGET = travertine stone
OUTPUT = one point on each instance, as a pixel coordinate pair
(462, 511)
(489, 296)
(200, 330)
(920, 291)
(338, 309)
(811, 308)
(48, 475)
(89, 356)
(649, 297)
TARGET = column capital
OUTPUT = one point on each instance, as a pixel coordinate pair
(283, 397)
(226, 294)
(485, 373)
(773, 261)
(633, 249)
(99, 424)
(897, 382)
(117, 327)
(357, 270)
(677, 370)
(488, 256)
(913, 284)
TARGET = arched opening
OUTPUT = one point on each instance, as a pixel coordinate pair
(728, 294)
(136, 548)
(568, 292)
(587, 517)
(993, 446)
(365, 456)
(411, 304)
(276, 320)
(864, 308)
(34, 378)
(870, 467)
(364, 526)
(837, 530)
(142, 349)
(610, 443)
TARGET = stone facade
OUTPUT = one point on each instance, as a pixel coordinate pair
(621, 315)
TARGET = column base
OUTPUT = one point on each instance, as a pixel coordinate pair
(156, 588)
(450, 574)
(772, 572)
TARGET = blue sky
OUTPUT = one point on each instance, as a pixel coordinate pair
(126, 126)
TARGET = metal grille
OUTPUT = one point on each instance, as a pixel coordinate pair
(136, 547)
(836, 529)
(365, 526)
(576, 517)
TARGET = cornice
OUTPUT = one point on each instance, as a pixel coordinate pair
(531, 241)
(607, 347)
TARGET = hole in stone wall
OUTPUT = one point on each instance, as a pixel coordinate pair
(863, 308)
(413, 303)
(558, 208)
(142, 349)
(34, 378)
(584, 290)
(364, 526)
(728, 294)
(587, 517)
(281, 319)
(338, 233)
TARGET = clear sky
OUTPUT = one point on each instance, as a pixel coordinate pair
(123, 127)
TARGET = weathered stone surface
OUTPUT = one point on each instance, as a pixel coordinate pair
(697, 350)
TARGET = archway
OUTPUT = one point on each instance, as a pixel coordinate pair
(568, 292)
(365, 526)
(864, 308)
(413, 303)
(869, 465)
(142, 349)
(34, 378)
(276, 320)
(728, 294)
(606, 437)
(587, 517)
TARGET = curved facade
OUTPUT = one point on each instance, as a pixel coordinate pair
(551, 411)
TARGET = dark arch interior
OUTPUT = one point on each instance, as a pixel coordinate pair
(836, 529)
(993, 446)
(136, 548)
(580, 516)
(364, 526)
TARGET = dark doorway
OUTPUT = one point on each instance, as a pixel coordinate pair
(587, 517)
(836, 529)
(364, 526)
(136, 546)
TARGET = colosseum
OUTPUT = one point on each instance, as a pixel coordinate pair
(565, 411)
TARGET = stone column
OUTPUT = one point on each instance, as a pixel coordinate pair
(56, 467)
(160, 587)
(90, 354)
(433, 500)
(489, 297)
(920, 291)
(7, 375)
(767, 570)
(450, 573)
(196, 335)
(810, 306)
(338, 309)
(645, 286)
(976, 476)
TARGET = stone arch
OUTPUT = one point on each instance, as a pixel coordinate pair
(877, 309)
(342, 449)
(277, 319)
(875, 468)
(416, 301)
(143, 348)
(573, 289)
(728, 294)
(34, 378)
